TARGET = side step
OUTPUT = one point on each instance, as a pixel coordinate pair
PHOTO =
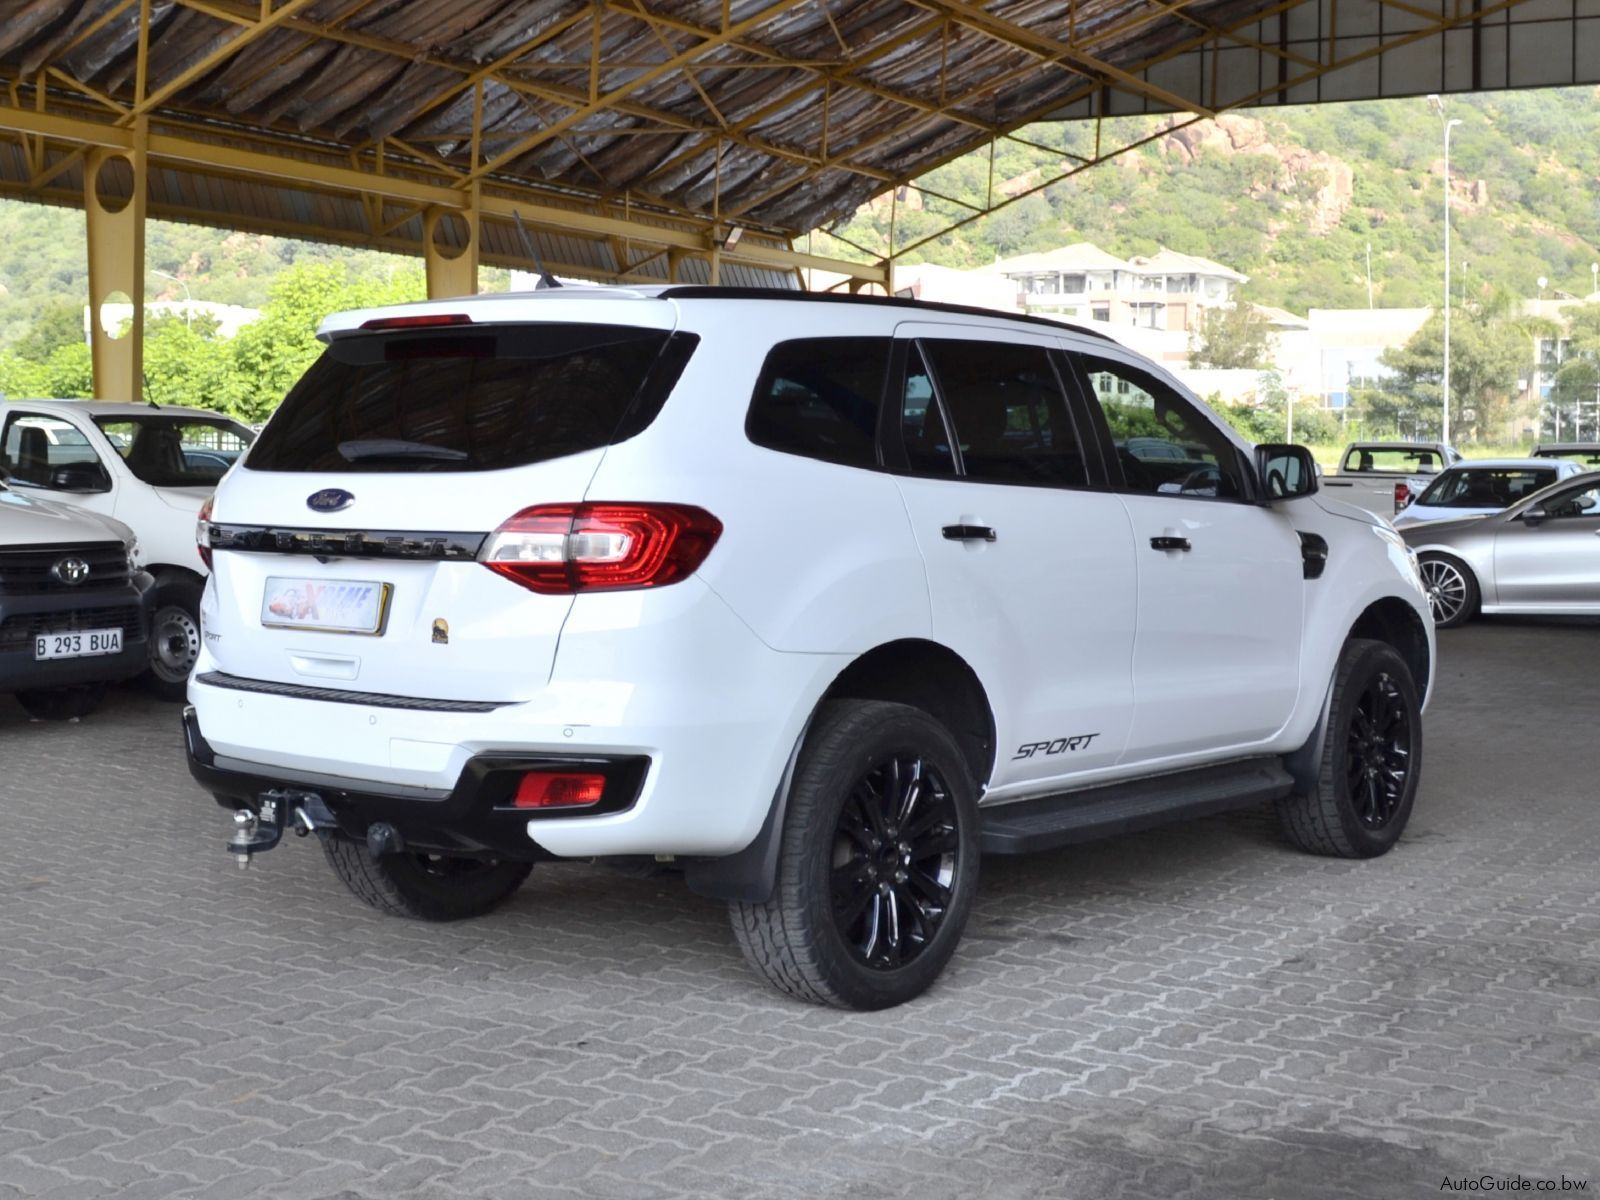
(1045, 822)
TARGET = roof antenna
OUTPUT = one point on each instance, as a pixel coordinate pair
(145, 375)
(546, 280)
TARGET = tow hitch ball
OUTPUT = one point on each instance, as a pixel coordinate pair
(260, 829)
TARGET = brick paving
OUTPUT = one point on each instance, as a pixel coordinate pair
(1194, 1013)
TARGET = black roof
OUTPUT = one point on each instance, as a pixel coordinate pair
(703, 292)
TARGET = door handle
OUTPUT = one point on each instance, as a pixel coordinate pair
(969, 533)
(1169, 543)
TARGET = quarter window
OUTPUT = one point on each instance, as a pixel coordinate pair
(819, 398)
(1164, 445)
(1009, 415)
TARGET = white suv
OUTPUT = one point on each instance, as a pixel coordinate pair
(815, 598)
(151, 468)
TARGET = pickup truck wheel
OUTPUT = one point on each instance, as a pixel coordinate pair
(174, 639)
(1371, 759)
(878, 865)
(1452, 589)
(427, 887)
(63, 703)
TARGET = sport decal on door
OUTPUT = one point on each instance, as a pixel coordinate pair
(1078, 741)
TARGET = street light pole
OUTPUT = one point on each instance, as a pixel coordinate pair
(1538, 353)
(1445, 388)
(188, 300)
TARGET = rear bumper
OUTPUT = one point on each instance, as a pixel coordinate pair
(473, 818)
(24, 617)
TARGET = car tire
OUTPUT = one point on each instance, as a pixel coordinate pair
(422, 886)
(1371, 759)
(63, 703)
(878, 864)
(174, 639)
(1452, 589)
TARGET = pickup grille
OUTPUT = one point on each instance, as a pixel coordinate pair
(18, 632)
(28, 571)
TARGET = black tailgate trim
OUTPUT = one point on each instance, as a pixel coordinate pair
(301, 691)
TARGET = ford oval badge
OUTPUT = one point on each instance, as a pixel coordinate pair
(329, 500)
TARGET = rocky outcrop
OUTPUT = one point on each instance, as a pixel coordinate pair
(1322, 185)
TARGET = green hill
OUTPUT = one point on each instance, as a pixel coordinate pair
(1293, 197)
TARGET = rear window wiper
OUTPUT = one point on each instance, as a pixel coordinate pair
(355, 451)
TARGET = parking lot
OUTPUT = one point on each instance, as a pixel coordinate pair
(1195, 1012)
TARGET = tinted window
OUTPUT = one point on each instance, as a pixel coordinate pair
(1163, 443)
(819, 397)
(927, 440)
(1484, 487)
(176, 451)
(1584, 502)
(1393, 460)
(33, 446)
(1008, 412)
(456, 400)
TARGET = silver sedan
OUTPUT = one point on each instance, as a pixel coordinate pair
(1541, 555)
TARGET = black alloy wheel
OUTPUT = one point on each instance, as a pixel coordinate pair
(894, 861)
(1378, 751)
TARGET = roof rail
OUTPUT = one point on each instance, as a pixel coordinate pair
(705, 292)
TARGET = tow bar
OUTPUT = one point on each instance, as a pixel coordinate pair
(256, 831)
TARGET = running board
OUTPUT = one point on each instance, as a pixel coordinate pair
(1045, 822)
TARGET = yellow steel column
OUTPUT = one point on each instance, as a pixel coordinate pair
(116, 266)
(452, 268)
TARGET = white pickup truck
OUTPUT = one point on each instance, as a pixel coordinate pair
(1383, 477)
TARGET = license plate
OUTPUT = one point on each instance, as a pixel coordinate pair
(328, 605)
(82, 643)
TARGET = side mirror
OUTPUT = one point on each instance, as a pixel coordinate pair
(80, 477)
(1534, 515)
(1286, 472)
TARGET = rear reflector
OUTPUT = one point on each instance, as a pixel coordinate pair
(548, 789)
(559, 549)
(420, 321)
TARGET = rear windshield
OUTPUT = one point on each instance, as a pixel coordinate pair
(478, 399)
(1401, 460)
(1485, 487)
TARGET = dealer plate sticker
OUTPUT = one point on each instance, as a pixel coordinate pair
(78, 644)
(329, 605)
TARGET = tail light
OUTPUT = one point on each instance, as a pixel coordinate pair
(202, 531)
(1402, 495)
(550, 789)
(559, 549)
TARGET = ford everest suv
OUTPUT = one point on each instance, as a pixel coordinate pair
(74, 608)
(817, 599)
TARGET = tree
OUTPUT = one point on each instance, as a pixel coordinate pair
(1233, 335)
(1488, 353)
(271, 353)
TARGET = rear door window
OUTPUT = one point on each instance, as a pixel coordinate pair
(483, 398)
(33, 446)
(1009, 414)
(820, 398)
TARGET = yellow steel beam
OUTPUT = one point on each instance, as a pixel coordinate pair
(1050, 50)
(116, 265)
(644, 78)
(693, 237)
(208, 62)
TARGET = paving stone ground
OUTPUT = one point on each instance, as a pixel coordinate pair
(1193, 1013)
